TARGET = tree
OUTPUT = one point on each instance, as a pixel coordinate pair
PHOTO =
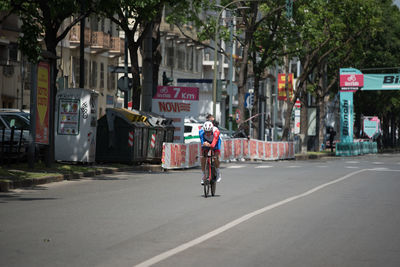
(328, 31)
(42, 19)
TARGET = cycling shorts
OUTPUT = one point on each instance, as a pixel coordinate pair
(204, 151)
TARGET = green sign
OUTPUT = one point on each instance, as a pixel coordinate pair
(381, 82)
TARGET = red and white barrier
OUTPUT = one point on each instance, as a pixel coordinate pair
(178, 156)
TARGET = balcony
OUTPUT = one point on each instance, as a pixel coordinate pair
(117, 46)
(75, 36)
(100, 42)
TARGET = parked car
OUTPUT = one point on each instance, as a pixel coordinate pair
(191, 132)
(12, 140)
(21, 122)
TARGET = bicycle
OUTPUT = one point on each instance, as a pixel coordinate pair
(211, 174)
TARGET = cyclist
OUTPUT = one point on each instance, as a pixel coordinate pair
(210, 139)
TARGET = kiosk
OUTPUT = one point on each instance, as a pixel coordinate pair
(75, 125)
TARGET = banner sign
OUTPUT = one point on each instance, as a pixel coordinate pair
(282, 84)
(371, 126)
(43, 103)
(346, 117)
(351, 80)
(176, 103)
(381, 82)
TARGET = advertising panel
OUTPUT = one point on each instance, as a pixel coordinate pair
(43, 103)
(176, 103)
(282, 84)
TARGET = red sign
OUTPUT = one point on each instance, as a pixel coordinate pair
(282, 85)
(177, 93)
(237, 116)
(351, 81)
(42, 103)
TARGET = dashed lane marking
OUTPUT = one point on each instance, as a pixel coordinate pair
(263, 167)
(235, 167)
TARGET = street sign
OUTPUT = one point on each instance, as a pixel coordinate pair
(234, 89)
(121, 84)
(117, 69)
(237, 116)
(249, 100)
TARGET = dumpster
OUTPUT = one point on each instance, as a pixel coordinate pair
(127, 136)
(120, 137)
(161, 130)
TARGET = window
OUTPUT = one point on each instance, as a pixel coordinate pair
(111, 81)
(197, 61)
(188, 129)
(102, 75)
(13, 51)
(190, 65)
(170, 57)
(75, 72)
(93, 75)
(181, 57)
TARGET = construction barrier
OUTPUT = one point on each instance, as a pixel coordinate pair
(179, 156)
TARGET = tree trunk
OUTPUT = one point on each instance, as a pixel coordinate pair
(136, 83)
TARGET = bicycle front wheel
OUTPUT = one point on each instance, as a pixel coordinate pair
(206, 189)
(213, 186)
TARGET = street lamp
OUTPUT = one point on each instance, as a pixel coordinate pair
(216, 51)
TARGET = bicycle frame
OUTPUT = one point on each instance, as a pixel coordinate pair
(210, 173)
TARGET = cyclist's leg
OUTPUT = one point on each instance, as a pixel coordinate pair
(217, 153)
(203, 163)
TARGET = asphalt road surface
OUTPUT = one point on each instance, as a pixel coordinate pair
(330, 212)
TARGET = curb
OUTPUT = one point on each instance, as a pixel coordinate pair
(7, 185)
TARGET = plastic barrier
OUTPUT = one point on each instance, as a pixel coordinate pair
(179, 156)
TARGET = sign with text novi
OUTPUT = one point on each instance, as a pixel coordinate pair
(176, 103)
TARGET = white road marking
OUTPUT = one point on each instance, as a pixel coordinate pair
(240, 220)
(352, 162)
(235, 167)
(352, 167)
(293, 166)
(263, 167)
(376, 162)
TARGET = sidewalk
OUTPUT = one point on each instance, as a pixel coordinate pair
(7, 184)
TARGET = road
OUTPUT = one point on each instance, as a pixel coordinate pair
(330, 212)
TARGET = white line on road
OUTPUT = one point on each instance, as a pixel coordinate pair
(238, 221)
(235, 167)
(263, 166)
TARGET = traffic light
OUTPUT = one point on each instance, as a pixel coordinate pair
(166, 80)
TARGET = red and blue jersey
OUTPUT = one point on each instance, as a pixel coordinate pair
(212, 137)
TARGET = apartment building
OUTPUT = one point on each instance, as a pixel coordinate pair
(103, 48)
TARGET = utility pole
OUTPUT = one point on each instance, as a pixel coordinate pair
(147, 89)
(230, 74)
(82, 48)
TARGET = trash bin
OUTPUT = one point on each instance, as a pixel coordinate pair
(160, 130)
(120, 136)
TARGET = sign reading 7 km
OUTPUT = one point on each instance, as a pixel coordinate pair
(177, 93)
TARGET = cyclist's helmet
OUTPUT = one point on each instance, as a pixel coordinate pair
(208, 126)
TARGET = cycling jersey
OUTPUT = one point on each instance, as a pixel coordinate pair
(212, 137)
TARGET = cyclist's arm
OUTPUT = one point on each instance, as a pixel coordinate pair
(201, 135)
(215, 139)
